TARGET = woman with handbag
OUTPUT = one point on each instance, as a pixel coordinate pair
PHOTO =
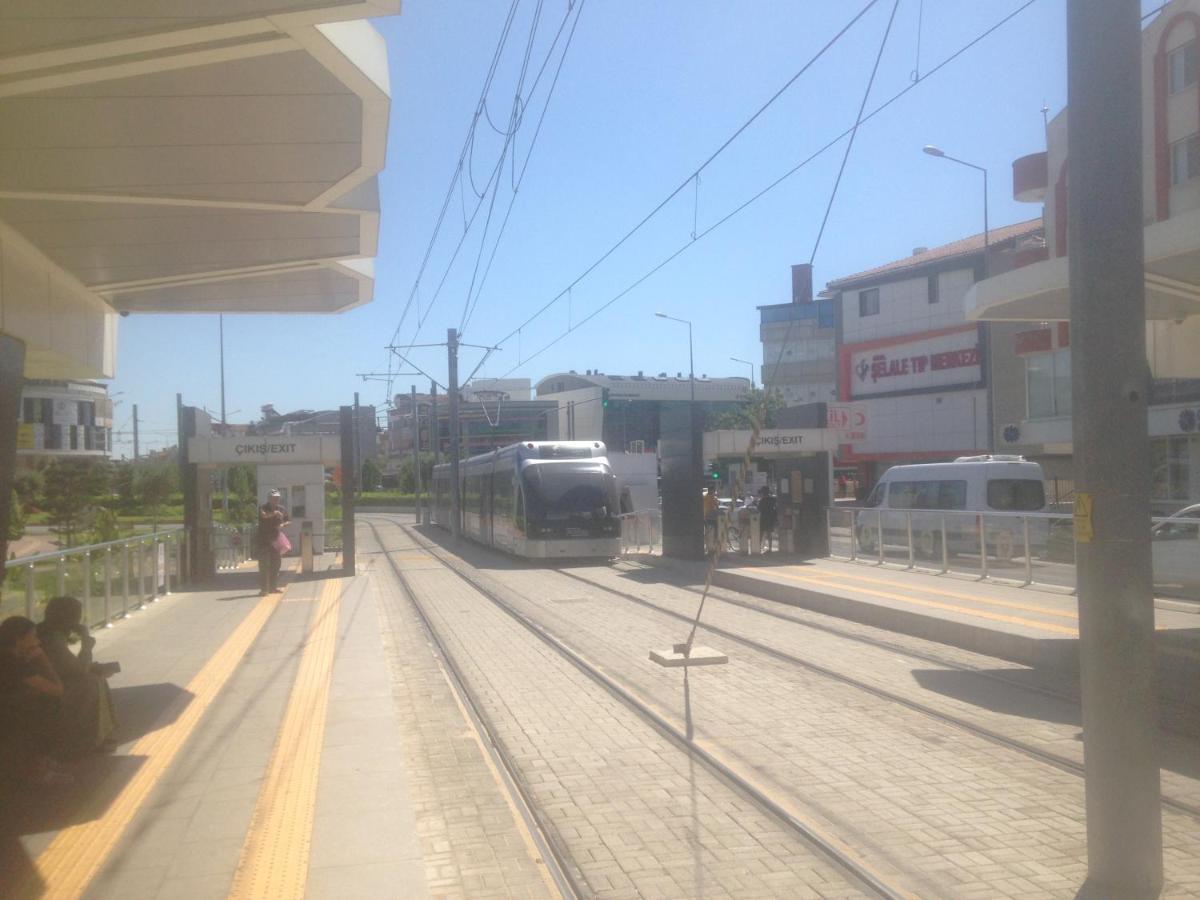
(272, 543)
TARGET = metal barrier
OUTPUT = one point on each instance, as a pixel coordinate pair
(232, 544)
(110, 579)
(1023, 547)
(641, 529)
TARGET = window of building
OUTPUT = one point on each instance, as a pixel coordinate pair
(1048, 384)
(1181, 64)
(933, 290)
(1185, 159)
(868, 302)
(1171, 459)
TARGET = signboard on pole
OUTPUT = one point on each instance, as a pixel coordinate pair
(849, 420)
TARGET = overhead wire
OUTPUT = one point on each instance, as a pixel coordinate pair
(768, 188)
(688, 180)
(575, 6)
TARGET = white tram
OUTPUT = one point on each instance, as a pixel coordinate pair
(539, 499)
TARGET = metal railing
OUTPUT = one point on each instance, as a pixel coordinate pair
(232, 544)
(1028, 548)
(641, 531)
(110, 579)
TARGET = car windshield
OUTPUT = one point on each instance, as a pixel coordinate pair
(1016, 494)
(569, 490)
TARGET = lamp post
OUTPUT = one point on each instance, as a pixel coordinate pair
(691, 364)
(748, 363)
(931, 150)
(941, 154)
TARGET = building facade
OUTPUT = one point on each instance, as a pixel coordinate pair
(1033, 303)
(908, 357)
(64, 419)
(799, 344)
(625, 411)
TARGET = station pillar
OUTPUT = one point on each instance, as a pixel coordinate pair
(196, 484)
(681, 456)
(12, 379)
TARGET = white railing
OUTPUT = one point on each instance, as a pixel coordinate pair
(641, 531)
(109, 579)
(1025, 547)
(232, 544)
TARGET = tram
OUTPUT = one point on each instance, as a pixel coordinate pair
(537, 499)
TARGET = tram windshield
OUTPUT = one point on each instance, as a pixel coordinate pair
(569, 490)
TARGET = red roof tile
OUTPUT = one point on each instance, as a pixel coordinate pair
(964, 247)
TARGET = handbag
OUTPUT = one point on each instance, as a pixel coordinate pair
(281, 544)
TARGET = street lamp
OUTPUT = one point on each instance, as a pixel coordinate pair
(748, 363)
(691, 364)
(931, 150)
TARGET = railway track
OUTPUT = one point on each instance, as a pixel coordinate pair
(1053, 759)
(856, 870)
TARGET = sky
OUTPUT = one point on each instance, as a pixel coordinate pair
(646, 93)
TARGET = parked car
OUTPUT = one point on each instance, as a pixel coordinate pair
(1175, 544)
(971, 494)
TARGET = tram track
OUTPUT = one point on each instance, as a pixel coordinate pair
(1052, 759)
(855, 869)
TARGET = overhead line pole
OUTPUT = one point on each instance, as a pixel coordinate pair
(1111, 382)
(455, 492)
(416, 439)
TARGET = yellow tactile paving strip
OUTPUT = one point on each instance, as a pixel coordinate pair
(73, 858)
(274, 861)
(832, 580)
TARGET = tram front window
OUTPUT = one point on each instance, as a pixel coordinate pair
(565, 499)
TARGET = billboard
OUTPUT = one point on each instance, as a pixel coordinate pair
(932, 361)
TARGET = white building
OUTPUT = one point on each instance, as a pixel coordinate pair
(1034, 299)
(799, 344)
(908, 356)
(68, 419)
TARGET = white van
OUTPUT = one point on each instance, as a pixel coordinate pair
(957, 492)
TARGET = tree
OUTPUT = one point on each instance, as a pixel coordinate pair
(155, 486)
(104, 526)
(742, 418)
(124, 486)
(72, 488)
(29, 485)
(16, 518)
(372, 475)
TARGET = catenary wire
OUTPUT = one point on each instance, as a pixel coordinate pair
(772, 185)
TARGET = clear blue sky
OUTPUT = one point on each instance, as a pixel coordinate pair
(647, 92)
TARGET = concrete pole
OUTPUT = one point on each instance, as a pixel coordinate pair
(12, 380)
(435, 429)
(357, 449)
(136, 455)
(455, 493)
(1111, 381)
(416, 442)
(348, 421)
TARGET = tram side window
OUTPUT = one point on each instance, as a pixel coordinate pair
(502, 498)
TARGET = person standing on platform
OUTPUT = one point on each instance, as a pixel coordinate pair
(711, 507)
(271, 519)
(768, 516)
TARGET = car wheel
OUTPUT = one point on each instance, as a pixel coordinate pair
(866, 539)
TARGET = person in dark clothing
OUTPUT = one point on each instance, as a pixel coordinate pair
(271, 518)
(768, 516)
(87, 717)
(30, 702)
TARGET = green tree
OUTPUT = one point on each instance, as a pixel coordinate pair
(29, 485)
(372, 475)
(71, 489)
(155, 484)
(16, 518)
(405, 480)
(104, 525)
(766, 404)
(124, 486)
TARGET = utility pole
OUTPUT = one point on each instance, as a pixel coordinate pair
(136, 455)
(357, 449)
(224, 430)
(1111, 381)
(455, 494)
(416, 441)
(435, 428)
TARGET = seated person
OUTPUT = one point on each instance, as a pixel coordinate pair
(30, 703)
(87, 710)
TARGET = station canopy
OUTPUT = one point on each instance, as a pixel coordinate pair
(182, 156)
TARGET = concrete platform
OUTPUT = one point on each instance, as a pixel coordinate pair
(1033, 627)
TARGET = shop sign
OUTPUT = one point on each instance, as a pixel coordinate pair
(929, 363)
(25, 436)
(849, 420)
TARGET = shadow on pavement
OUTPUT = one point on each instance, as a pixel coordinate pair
(143, 708)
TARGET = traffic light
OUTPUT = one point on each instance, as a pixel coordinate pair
(604, 397)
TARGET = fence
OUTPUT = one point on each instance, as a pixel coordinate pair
(232, 544)
(1027, 548)
(109, 579)
(641, 531)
